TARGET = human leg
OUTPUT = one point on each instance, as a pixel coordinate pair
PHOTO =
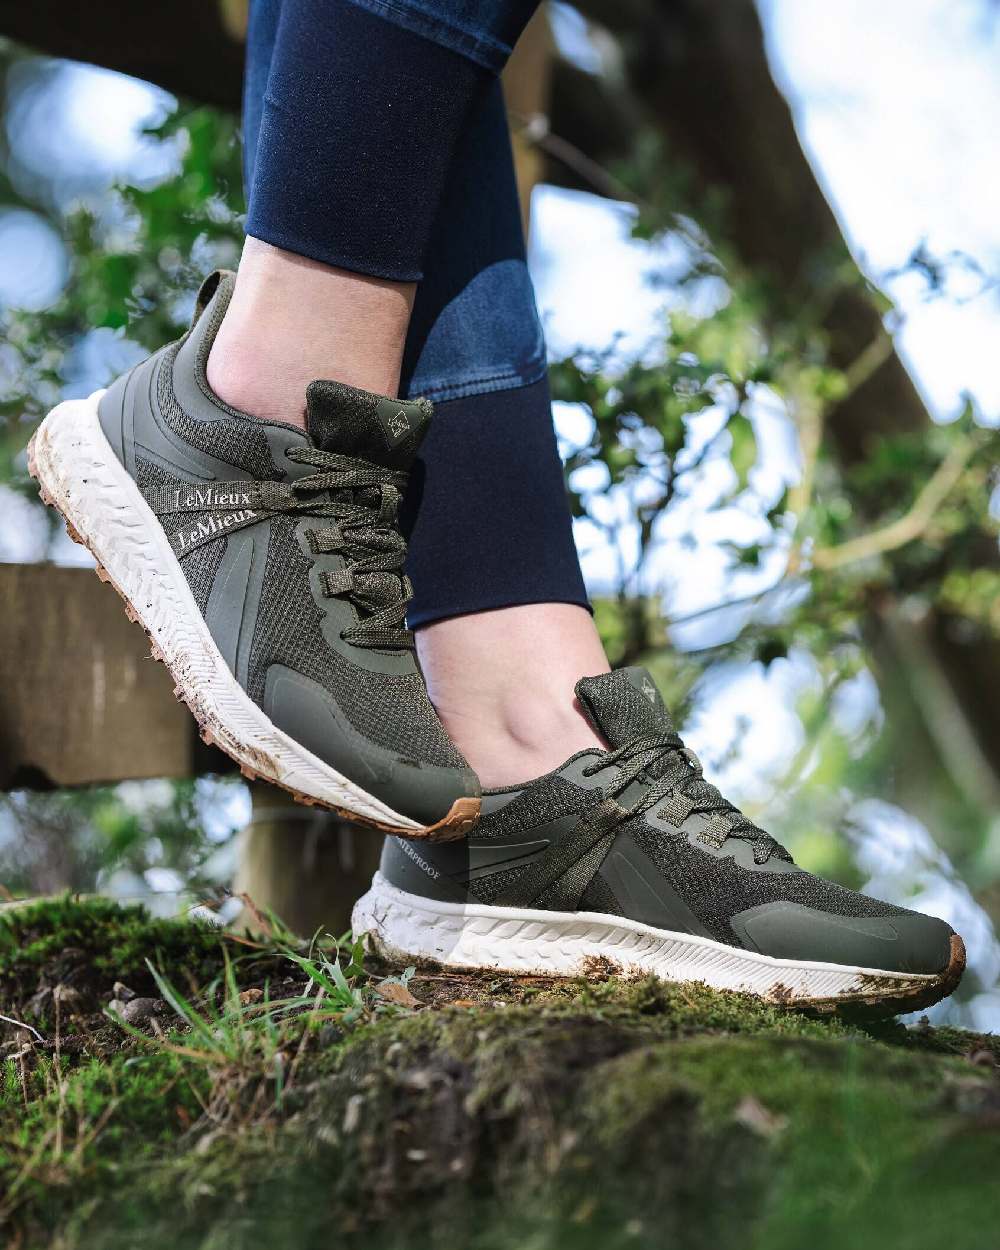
(503, 627)
(351, 120)
(264, 558)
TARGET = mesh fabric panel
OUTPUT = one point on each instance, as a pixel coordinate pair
(238, 440)
(200, 565)
(391, 710)
(716, 889)
(343, 419)
(565, 893)
(148, 474)
(200, 568)
(488, 888)
(622, 712)
(544, 800)
(599, 896)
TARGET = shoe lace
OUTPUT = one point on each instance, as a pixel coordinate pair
(677, 787)
(362, 502)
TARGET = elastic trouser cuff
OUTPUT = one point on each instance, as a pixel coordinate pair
(487, 513)
(359, 122)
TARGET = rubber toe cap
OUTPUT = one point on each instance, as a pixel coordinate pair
(907, 942)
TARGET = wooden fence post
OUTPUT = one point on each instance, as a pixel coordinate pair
(308, 866)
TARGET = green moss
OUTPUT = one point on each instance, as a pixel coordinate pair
(861, 1141)
(67, 1134)
(610, 1114)
(96, 941)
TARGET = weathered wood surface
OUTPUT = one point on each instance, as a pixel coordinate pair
(80, 698)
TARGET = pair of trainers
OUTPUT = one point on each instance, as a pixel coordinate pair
(266, 565)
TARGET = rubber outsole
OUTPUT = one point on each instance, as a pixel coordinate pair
(408, 927)
(463, 814)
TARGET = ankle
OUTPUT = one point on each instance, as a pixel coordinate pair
(502, 683)
(240, 373)
(292, 320)
(517, 739)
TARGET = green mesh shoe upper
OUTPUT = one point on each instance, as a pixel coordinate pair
(637, 831)
(290, 544)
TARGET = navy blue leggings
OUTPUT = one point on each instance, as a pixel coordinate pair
(376, 140)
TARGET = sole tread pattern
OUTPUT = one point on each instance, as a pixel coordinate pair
(406, 926)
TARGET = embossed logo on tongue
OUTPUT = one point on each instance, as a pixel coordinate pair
(371, 427)
(397, 426)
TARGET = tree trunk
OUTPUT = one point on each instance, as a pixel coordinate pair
(527, 82)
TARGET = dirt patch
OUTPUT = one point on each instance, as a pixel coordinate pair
(600, 968)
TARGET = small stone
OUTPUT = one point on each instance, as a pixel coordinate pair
(752, 1114)
(252, 995)
(418, 1080)
(136, 1010)
(67, 995)
(39, 1001)
(352, 1113)
(396, 992)
(122, 992)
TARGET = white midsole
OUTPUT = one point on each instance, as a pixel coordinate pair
(472, 935)
(76, 466)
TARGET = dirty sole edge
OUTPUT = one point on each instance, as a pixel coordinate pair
(549, 943)
(69, 457)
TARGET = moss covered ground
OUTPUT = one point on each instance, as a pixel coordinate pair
(268, 1093)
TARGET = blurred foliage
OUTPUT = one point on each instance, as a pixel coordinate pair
(808, 565)
(82, 840)
(808, 561)
(136, 255)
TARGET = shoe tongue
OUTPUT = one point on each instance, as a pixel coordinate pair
(624, 705)
(370, 427)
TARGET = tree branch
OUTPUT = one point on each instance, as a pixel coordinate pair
(913, 524)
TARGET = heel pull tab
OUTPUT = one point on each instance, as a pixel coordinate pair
(207, 290)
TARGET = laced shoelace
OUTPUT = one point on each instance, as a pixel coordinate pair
(677, 788)
(362, 501)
